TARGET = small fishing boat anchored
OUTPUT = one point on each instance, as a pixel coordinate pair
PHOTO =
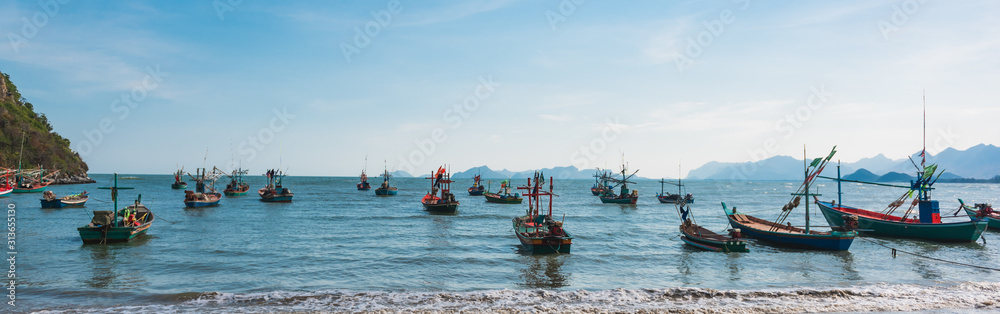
(236, 186)
(6, 182)
(106, 227)
(32, 180)
(626, 196)
(178, 184)
(699, 237)
(198, 197)
(477, 188)
(49, 200)
(540, 233)
(600, 182)
(785, 235)
(445, 201)
(503, 196)
(386, 189)
(273, 191)
(666, 197)
(981, 211)
(364, 185)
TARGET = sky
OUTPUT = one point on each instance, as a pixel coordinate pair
(319, 86)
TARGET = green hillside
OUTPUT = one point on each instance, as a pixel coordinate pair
(41, 146)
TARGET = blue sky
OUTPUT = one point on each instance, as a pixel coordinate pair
(144, 86)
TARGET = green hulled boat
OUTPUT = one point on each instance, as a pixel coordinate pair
(178, 184)
(626, 196)
(926, 224)
(107, 227)
(981, 211)
(540, 233)
(236, 186)
(503, 196)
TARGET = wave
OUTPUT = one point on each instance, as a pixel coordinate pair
(863, 298)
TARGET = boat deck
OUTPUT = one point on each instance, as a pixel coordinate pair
(704, 233)
(761, 224)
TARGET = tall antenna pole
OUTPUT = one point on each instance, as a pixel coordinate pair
(923, 153)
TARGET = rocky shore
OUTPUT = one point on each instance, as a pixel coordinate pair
(73, 179)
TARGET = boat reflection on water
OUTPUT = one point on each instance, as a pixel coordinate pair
(847, 259)
(543, 271)
(117, 265)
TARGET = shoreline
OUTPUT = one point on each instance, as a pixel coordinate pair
(74, 179)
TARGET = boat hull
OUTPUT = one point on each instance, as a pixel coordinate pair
(386, 192)
(476, 192)
(364, 186)
(627, 200)
(446, 208)
(541, 245)
(672, 199)
(213, 200)
(241, 191)
(92, 235)
(831, 241)
(5, 192)
(34, 189)
(707, 243)
(178, 186)
(59, 203)
(966, 231)
(96, 235)
(495, 198)
(993, 222)
(596, 191)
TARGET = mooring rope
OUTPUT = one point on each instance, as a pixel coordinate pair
(894, 250)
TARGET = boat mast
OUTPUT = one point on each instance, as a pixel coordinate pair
(806, 173)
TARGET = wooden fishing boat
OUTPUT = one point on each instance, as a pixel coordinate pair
(32, 180)
(199, 197)
(273, 191)
(6, 182)
(983, 211)
(386, 189)
(477, 189)
(785, 235)
(503, 196)
(926, 225)
(178, 184)
(440, 199)
(106, 227)
(626, 196)
(364, 185)
(76, 200)
(699, 237)
(666, 197)
(540, 233)
(236, 186)
(600, 182)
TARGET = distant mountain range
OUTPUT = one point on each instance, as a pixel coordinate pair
(563, 173)
(979, 162)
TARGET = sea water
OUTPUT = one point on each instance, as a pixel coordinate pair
(338, 249)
